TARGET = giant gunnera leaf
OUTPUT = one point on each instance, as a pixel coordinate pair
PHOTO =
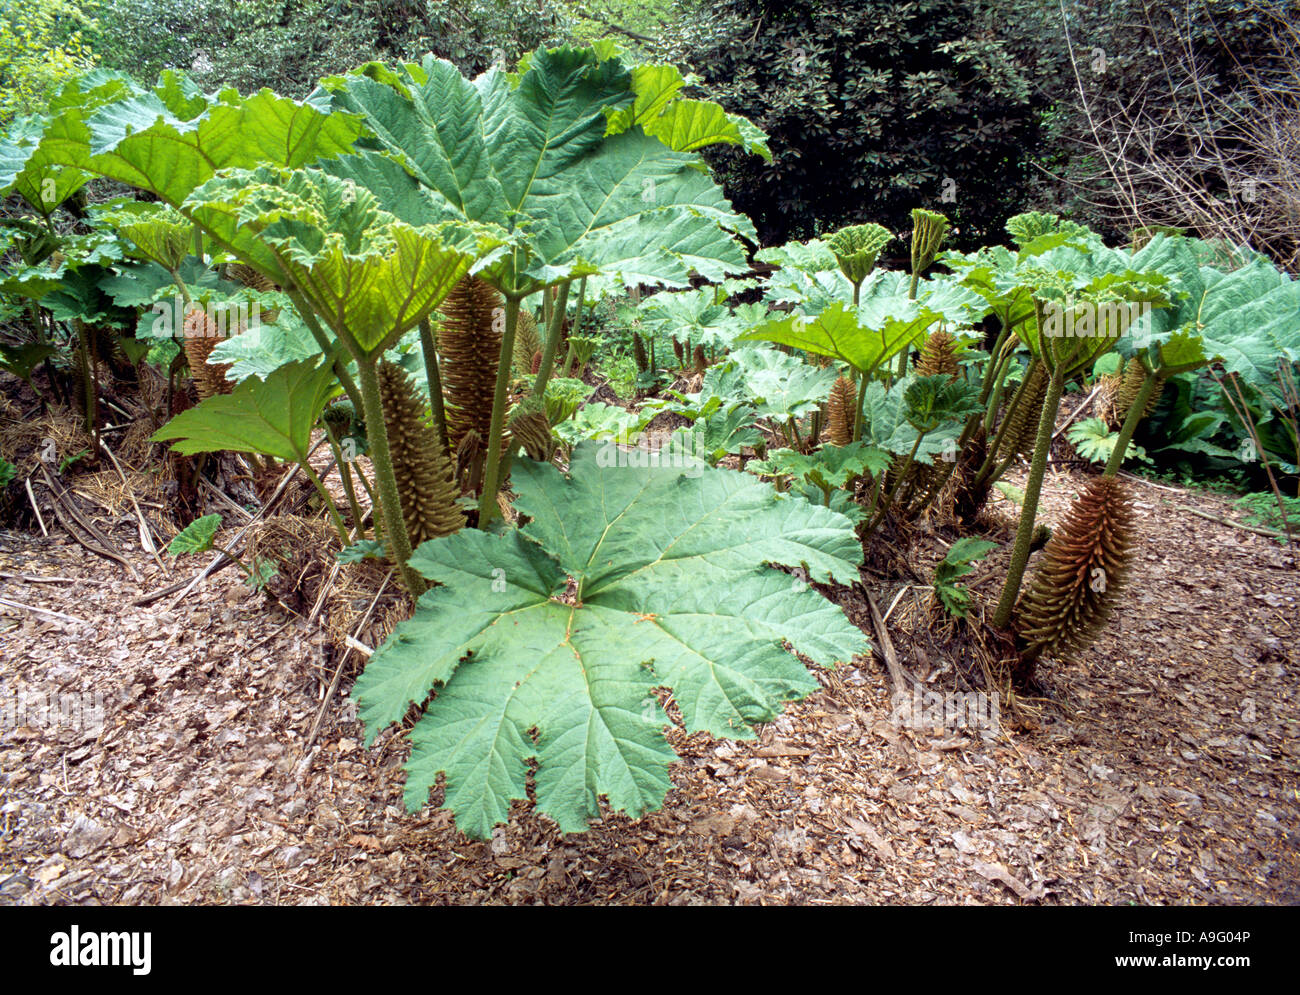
(546, 644)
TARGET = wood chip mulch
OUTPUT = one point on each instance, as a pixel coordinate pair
(1164, 772)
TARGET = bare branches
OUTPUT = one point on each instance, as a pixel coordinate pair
(1188, 148)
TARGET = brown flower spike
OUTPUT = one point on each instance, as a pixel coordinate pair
(840, 412)
(528, 341)
(200, 338)
(470, 343)
(938, 355)
(424, 476)
(1134, 375)
(1081, 574)
(1022, 427)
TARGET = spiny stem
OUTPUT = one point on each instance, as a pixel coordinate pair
(390, 507)
(345, 475)
(89, 388)
(995, 363)
(1029, 510)
(553, 330)
(991, 456)
(1135, 412)
(582, 299)
(898, 482)
(487, 507)
(434, 378)
(327, 347)
(858, 415)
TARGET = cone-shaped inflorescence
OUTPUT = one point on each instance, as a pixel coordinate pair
(701, 361)
(470, 342)
(938, 355)
(639, 354)
(928, 231)
(528, 341)
(840, 412)
(1134, 375)
(420, 464)
(250, 277)
(469, 462)
(679, 352)
(201, 336)
(530, 428)
(1026, 408)
(1081, 574)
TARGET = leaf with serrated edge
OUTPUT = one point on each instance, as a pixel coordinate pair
(673, 589)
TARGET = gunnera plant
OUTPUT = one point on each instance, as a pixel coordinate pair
(856, 249)
(470, 340)
(929, 228)
(531, 429)
(528, 341)
(250, 277)
(840, 412)
(1082, 572)
(200, 337)
(426, 491)
(938, 355)
(969, 493)
(1131, 384)
(1023, 412)
(639, 354)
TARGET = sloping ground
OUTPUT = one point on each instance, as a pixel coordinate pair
(1166, 772)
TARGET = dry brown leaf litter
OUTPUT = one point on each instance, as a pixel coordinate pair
(1164, 772)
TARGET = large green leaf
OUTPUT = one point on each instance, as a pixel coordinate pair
(159, 233)
(1065, 266)
(1245, 317)
(828, 467)
(693, 316)
(266, 347)
(29, 172)
(173, 138)
(836, 332)
(780, 386)
(813, 256)
(888, 420)
(368, 275)
(272, 417)
(886, 321)
(536, 154)
(682, 124)
(547, 643)
(21, 359)
(34, 153)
